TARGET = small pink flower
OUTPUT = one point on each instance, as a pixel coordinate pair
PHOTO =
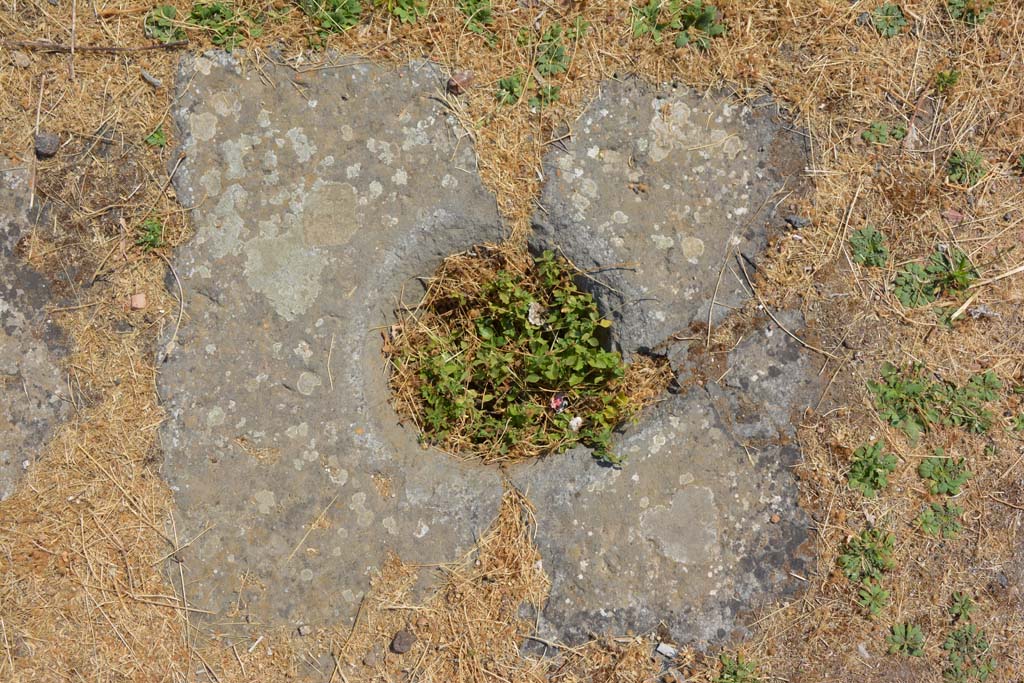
(559, 402)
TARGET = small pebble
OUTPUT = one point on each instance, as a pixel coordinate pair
(20, 59)
(370, 659)
(138, 302)
(46, 144)
(459, 82)
(305, 629)
(667, 650)
(403, 641)
(797, 222)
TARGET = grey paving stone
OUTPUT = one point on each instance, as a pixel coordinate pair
(32, 384)
(314, 207)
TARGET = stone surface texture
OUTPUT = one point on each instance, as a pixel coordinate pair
(316, 202)
(314, 206)
(31, 346)
(701, 522)
(655, 192)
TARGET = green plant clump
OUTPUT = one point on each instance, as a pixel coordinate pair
(150, 234)
(333, 16)
(946, 475)
(966, 167)
(908, 400)
(905, 639)
(227, 28)
(406, 11)
(880, 132)
(479, 15)
(692, 23)
(888, 19)
(870, 469)
(160, 24)
(967, 651)
(947, 273)
(510, 364)
(946, 80)
(872, 597)
(868, 555)
(941, 520)
(157, 138)
(510, 88)
(971, 12)
(961, 606)
(869, 248)
(552, 57)
(546, 95)
(736, 670)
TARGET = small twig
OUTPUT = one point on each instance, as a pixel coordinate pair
(312, 525)
(169, 347)
(254, 645)
(1012, 271)
(151, 79)
(330, 350)
(1005, 502)
(66, 49)
(74, 33)
(776, 320)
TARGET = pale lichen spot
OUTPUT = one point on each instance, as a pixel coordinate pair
(265, 501)
(203, 126)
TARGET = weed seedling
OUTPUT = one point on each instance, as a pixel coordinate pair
(693, 23)
(889, 20)
(736, 670)
(407, 11)
(1020, 164)
(971, 12)
(966, 167)
(967, 652)
(946, 476)
(941, 520)
(869, 248)
(961, 606)
(227, 28)
(510, 88)
(905, 639)
(552, 57)
(868, 556)
(946, 81)
(872, 597)
(159, 24)
(151, 234)
(479, 15)
(947, 273)
(870, 469)
(546, 95)
(333, 16)
(912, 286)
(950, 272)
(157, 138)
(880, 133)
(578, 29)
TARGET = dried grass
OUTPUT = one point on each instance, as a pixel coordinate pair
(82, 596)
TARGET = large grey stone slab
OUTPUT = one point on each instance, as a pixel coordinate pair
(316, 201)
(699, 525)
(32, 382)
(656, 192)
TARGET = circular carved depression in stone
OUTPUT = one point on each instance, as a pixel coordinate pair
(313, 207)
